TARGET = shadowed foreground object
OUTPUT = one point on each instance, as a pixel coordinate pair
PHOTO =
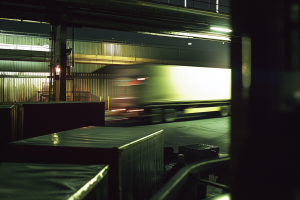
(134, 156)
(47, 181)
(265, 104)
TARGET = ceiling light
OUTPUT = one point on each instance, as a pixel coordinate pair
(197, 35)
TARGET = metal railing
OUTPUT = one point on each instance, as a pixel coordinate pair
(218, 6)
(187, 179)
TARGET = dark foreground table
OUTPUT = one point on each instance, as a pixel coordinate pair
(24, 181)
(134, 156)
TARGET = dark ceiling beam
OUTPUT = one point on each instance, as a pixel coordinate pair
(132, 15)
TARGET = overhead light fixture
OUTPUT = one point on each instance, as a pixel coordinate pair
(226, 30)
(166, 35)
(207, 36)
(190, 35)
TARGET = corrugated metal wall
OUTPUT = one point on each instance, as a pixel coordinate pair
(21, 89)
(138, 51)
(86, 68)
(98, 86)
(23, 66)
(23, 39)
(25, 89)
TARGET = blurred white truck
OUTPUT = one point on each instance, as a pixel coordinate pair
(164, 92)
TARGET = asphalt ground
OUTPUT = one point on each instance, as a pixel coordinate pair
(197, 130)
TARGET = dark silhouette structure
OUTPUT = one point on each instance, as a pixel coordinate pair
(265, 99)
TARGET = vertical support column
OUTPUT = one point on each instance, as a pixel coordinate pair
(52, 63)
(265, 108)
(61, 58)
(3, 89)
(73, 61)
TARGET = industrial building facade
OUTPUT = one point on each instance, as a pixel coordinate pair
(25, 60)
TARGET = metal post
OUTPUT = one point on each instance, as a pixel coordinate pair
(73, 60)
(3, 89)
(107, 102)
(192, 186)
(52, 53)
(61, 58)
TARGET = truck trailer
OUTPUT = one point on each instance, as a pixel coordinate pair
(163, 92)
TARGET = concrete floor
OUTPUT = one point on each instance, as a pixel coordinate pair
(212, 131)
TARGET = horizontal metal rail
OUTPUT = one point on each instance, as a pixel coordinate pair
(218, 185)
(183, 177)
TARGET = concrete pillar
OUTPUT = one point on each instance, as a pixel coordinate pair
(265, 100)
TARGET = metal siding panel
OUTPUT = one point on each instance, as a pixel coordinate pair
(110, 49)
(89, 48)
(141, 167)
(78, 47)
(23, 66)
(86, 68)
(2, 38)
(23, 40)
(21, 89)
(8, 39)
(100, 87)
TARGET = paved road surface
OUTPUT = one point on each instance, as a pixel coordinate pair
(213, 131)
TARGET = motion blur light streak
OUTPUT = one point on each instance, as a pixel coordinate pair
(199, 110)
(223, 197)
(221, 29)
(191, 78)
